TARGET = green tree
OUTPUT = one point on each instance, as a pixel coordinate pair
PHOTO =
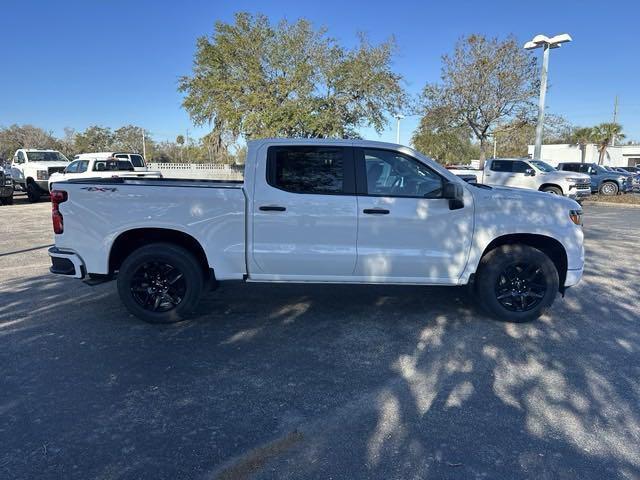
(513, 138)
(447, 145)
(129, 138)
(603, 134)
(582, 136)
(94, 139)
(484, 83)
(16, 136)
(255, 79)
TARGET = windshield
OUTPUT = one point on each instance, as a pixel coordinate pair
(542, 166)
(46, 157)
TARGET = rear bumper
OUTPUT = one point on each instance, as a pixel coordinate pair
(68, 264)
(573, 277)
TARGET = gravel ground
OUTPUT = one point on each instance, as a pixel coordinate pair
(275, 381)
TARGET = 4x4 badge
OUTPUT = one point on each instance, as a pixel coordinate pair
(100, 189)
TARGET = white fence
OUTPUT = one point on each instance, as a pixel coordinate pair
(203, 171)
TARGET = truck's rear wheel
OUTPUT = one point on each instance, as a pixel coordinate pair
(516, 283)
(160, 283)
(609, 188)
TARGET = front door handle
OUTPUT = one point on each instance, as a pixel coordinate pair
(376, 211)
(272, 208)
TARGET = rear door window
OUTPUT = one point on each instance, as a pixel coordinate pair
(311, 170)
(500, 166)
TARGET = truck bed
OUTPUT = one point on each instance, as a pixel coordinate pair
(98, 211)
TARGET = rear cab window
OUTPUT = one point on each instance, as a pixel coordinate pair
(311, 169)
(112, 166)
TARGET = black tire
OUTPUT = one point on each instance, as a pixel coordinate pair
(553, 190)
(516, 283)
(33, 193)
(8, 200)
(609, 188)
(145, 276)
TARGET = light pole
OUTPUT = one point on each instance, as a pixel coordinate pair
(546, 43)
(398, 118)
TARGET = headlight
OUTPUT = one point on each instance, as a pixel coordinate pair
(576, 180)
(576, 216)
(42, 175)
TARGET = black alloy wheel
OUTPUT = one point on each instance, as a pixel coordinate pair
(158, 286)
(521, 287)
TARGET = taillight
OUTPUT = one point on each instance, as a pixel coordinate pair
(57, 197)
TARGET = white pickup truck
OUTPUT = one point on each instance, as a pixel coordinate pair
(318, 211)
(137, 160)
(31, 169)
(529, 174)
(109, 167)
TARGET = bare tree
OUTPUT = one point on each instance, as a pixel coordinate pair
(485, 82)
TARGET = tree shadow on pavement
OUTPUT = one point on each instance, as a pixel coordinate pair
(321, 381)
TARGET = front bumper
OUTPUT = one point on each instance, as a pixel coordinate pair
(44, 185)
(578, 194)
(573, 277)
(6, 191)
(66, 263)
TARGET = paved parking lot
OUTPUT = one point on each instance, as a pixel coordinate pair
(318, 381)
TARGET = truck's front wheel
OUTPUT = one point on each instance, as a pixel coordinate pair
(516, 283)
(160, 283)
(33, 192)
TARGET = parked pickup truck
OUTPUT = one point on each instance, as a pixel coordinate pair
(530, 174)
(100, 168)
(137, 160)
(6, 186)
(601, 180)
(31, 169)
(318, 211)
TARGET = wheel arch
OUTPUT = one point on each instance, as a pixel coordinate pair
(545, 185)
(548, 245)
(130, 240)
(610, 180)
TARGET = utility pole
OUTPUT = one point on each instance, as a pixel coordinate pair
(144, 147)
(615, 117)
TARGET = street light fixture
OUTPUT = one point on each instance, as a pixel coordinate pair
(398, 117)
(546, 43)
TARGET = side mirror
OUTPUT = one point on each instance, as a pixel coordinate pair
(530, 172)
(453, 192)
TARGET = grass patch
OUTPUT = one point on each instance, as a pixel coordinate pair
(625, 199)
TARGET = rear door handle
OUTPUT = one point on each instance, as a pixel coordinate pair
(376, 211)
(272, 208)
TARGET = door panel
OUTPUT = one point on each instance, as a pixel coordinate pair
(305, 215)
(419, 239)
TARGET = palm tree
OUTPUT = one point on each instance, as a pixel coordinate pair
(603, 134)
(583, 137)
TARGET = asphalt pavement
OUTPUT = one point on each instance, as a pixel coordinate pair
(342, 382)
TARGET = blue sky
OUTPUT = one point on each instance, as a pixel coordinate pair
(116, 62)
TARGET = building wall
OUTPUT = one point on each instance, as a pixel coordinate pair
(622, 156)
